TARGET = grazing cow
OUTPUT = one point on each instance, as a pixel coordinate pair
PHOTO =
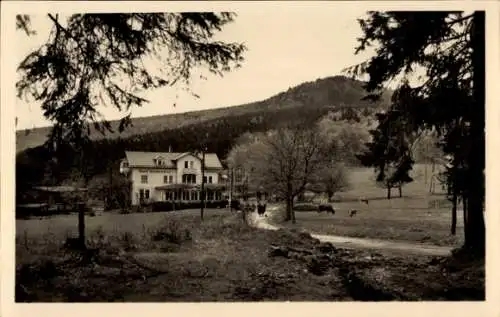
(352, 213)
(327, 208)
(261, 208)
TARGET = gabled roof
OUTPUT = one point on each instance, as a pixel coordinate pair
(145, 159)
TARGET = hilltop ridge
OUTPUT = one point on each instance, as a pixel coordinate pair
(329, 92)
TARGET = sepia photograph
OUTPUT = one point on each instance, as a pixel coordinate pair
(278, 152)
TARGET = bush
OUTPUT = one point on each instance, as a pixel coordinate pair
(172, 232)
(170, 206)
(306, 207)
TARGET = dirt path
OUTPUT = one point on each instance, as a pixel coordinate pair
(354, 243)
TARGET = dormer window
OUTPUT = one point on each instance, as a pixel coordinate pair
(159, 161)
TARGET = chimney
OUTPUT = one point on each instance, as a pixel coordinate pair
(169, 149)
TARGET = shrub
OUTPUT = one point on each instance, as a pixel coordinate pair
(172, 232)
(158, 206)
(306, 207)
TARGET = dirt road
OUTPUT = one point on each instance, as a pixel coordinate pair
(353, 243)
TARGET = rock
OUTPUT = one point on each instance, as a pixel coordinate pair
(326, 247)
(278, 251)
(318, 266)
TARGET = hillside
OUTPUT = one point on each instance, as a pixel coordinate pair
(214, 129)
(330, 92)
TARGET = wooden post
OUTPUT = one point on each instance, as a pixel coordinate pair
(231, 184)
(81, 224)
(202, 184)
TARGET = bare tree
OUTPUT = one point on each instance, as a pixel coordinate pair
(331, 178)
(293, 156)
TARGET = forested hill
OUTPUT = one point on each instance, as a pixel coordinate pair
(325, 93)
(215, 129)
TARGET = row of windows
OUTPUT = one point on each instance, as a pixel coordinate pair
(186, 179)
(183, 195)
(191, 195)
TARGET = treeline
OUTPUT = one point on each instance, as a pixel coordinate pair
(38, 166)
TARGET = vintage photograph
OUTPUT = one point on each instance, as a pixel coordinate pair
(283, 153)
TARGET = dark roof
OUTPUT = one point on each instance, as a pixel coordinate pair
(145, 159)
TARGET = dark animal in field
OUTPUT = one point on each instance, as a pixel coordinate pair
(365, 201)
(261, 209)
(327, 208)
(352, 213)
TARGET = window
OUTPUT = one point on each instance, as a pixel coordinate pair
(185, 195)
(168, 179)
(204, 179)
(186, 164)
(144, 179)
(125, 164)
(158, 161)
(210, 195)
(210, 179)
(146, 194)
(141, 194)
(189, 178)
(194, 195)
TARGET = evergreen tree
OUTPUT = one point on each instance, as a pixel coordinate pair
(450, 48)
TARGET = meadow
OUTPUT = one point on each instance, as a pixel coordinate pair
(418, 216)
(176, 257)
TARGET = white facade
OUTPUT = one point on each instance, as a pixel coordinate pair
(171, 176)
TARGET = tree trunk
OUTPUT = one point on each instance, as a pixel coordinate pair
(425, 173)
(475, 231)
(454, 213)
(289, 207)
(231, 188)
(330, 195)
(475, 238)
(400, 188)
(292, 212)
(388, 192)
(464, 205)
(431, 185)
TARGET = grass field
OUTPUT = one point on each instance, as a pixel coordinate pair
(172, 257)
(161, 257)
(416, 217)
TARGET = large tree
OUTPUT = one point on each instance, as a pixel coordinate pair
(330, 178)
(93, 60)
(281, 161)
(389, 152)
(450, 48)
(294, 155)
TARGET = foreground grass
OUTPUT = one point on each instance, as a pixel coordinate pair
(176, 257)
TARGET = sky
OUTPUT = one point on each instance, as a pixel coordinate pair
(286, 47)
